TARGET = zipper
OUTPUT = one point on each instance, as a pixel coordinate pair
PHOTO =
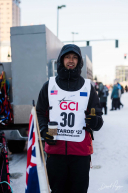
(68, 80)
(66, 141)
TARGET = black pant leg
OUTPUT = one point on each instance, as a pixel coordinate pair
(120, 102)
(79, 174)
(57, 173)
(102, 105)
(113, 104)
(117, 103)
(105, 107)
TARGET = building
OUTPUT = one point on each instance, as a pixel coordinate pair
(87, 70)
(121, 73)
(9, 17)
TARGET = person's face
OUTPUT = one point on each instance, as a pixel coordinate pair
(70, 60)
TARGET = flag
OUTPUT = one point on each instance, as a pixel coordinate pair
(83, 94)
(36, 181)
(54, 92)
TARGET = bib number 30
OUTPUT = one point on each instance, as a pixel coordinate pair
(68, 119)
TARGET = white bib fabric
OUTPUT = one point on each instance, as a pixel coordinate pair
(68, 110)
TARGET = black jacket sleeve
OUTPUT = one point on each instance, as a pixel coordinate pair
(42, 109)
(95, 103)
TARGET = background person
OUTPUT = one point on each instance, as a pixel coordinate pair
(121, 91)
(103, 94)
(115, 97)
(126, 88)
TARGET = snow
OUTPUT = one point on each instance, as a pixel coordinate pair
(110, 159)
(17, 168)
(110, 152)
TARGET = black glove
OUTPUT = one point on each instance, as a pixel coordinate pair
(89, 131)
(91, 121)
(49, 139)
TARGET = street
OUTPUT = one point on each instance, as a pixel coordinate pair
(109, 173)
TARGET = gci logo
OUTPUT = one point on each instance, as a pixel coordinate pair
(72, 106)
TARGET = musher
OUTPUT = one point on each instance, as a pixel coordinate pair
(67, 99)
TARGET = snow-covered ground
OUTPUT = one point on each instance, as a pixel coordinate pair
(17, 169)
(110, 159)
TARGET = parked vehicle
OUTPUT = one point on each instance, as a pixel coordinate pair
(31, 66)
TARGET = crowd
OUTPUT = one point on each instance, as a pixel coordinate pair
(116, 93)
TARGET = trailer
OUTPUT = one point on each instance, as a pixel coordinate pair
(34, 51)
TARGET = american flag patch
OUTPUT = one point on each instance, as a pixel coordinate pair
(54, 92)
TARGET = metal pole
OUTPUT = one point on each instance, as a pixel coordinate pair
(90, 40)
(59, 7)
(41, 148)
(57, 20)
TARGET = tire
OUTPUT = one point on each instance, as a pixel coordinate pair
(16, 146)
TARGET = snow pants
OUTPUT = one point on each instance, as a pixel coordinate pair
(119, 103)
(104, 105)
(68, 173)
(115, 103)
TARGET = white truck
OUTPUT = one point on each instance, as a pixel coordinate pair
(34, 50)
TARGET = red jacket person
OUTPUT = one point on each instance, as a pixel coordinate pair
(68, 99)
